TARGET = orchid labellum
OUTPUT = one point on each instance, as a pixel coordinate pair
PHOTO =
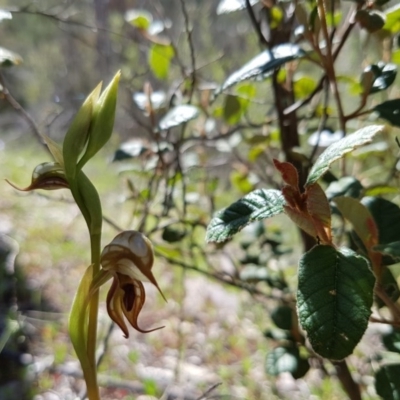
(128, 259)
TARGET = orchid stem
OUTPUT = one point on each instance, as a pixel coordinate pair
(92, 386)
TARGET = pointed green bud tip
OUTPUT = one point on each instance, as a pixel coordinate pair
(103, 120)
(77, 136)
(47, 176)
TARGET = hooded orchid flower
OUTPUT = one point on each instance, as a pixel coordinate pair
(128, 259)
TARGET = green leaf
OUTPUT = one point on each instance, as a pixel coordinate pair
(346, 186)
(370, 20)
(334, 299)
(140, 19)
(391, 340)
(228, 6)
(264, 64)
(385, 75)
(337, 150)
(78, 321)
(387, 383)
(177, 116)
(255, 206)
(360, 217)
(391, 249)
(232, 109)
(282, 359)
(282, 317)
(304, 86)
(173, 234)
(286, 359)
(387, 218)
(160, 57)
(9, 58)
(392, 19)
(389, 110)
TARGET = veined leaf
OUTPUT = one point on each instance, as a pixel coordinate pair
(264, 64)
(255, 206)
(337, 150)
(334, 299)
(177, 116)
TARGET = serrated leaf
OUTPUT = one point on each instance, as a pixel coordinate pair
(9, 58)
(160, 59)
(334, 299)
(387, 383)
(256, 206)
(228, 6)
(387, 218)
(177, 116)
(337, 150)
(264, 64)
(389, 110)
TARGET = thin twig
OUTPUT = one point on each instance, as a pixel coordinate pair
(191, 49)
(20, 110)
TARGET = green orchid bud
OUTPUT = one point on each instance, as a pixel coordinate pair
(77, 136)
(47, 176)
(102, 123)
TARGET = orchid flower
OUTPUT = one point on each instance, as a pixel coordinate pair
(128, 259)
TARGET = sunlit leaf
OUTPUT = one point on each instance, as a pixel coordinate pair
(360, 218)
(380, 76)
(228, 6)
(337, 150)
(157, 99)
(255, 206)
(393, 19)
(286, 359)
(346, 186)
(160, 59)
(334, 299)
(5, 14)
(9, 58)
(140, 19)
(178, 115)
(264, 64)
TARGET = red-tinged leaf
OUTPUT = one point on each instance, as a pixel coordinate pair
(289, 173)
(302, 220)
(320, 212)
